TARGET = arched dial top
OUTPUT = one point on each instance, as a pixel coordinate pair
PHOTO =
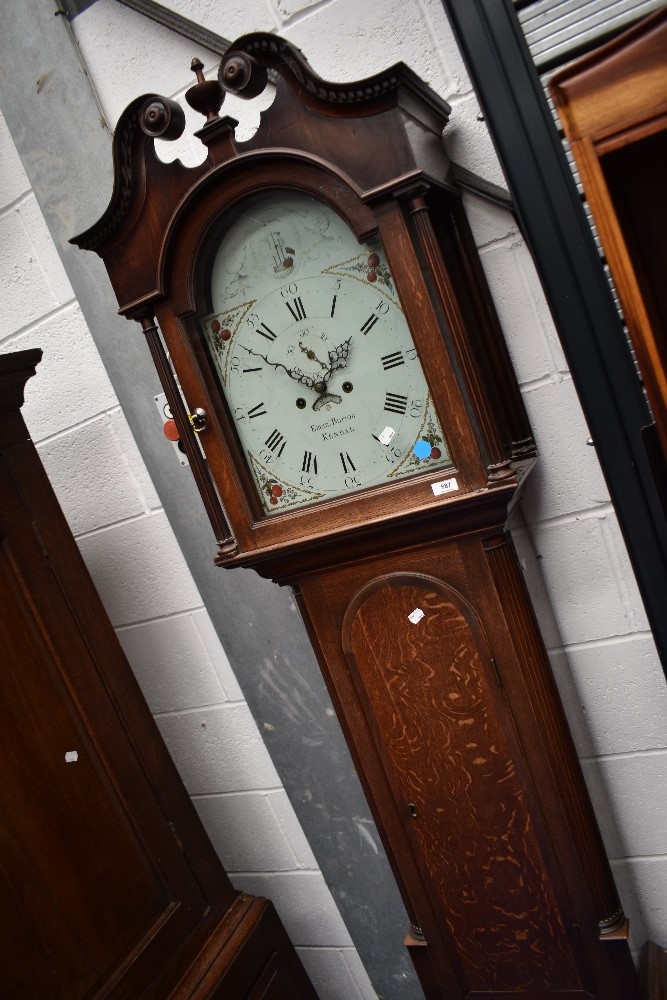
(314, 357)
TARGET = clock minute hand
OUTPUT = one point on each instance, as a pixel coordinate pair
(306, 380)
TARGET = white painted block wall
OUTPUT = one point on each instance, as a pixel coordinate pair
(575, 561)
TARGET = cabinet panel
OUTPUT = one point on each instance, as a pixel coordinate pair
(423, 667)
(88, 896)
(109, 885)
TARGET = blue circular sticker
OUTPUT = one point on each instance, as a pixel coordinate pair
(422, 449)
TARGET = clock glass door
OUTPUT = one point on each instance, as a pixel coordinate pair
(314, 357)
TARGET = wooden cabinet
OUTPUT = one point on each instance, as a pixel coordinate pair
(109, 885)
(613, 106)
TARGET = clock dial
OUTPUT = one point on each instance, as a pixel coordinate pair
(314, 356)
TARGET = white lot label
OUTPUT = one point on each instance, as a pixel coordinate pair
(416, 615)
(444, 486)
(387, 435)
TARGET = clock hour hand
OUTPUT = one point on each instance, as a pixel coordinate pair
(338, 359)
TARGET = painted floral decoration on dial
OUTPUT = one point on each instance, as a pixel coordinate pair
(314, 357)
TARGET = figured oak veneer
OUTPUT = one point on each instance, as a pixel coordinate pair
(427, 683)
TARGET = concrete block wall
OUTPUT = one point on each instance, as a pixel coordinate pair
(573, 555)
(129, 547)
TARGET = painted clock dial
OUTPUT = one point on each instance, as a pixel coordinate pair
(314, 356)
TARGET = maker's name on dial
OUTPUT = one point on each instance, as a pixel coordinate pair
(332, 423)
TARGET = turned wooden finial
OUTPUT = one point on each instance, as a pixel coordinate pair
(206, 96)
(161, 118)
(197, 67)
(242, 75)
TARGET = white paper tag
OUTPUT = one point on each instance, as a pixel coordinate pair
(71, 756)
(416, 615)
(387, 435)
(444, 486)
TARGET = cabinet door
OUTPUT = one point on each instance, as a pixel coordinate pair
(424, 672)
(97, 896)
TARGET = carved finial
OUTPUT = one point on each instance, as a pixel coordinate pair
(197, 68)
(161, 118)
(206, 96)
(242, 75)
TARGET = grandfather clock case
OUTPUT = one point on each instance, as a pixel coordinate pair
(317, 312)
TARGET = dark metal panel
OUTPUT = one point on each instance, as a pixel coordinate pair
(555, 226)
(67, 157)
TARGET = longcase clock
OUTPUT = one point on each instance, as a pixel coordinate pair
(356, 432)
